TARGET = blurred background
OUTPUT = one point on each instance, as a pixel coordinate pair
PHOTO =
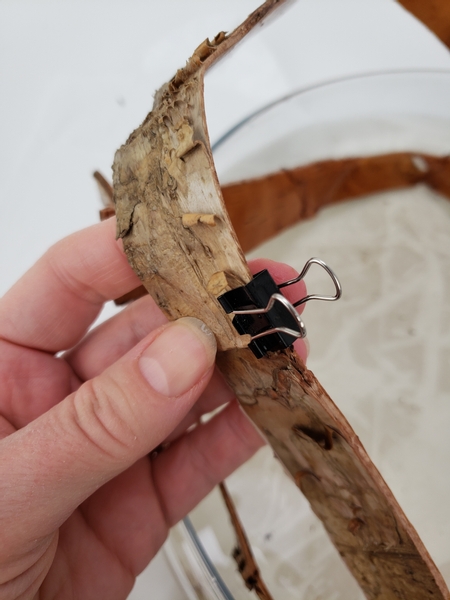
(76, 77)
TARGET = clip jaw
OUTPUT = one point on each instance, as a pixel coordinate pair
(266, 315)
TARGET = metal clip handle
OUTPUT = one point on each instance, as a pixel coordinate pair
(269, 315)
(290, 307)
(306, 268)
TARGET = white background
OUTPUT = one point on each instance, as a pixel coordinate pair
(76, 77)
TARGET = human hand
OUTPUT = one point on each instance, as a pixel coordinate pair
(83, 507)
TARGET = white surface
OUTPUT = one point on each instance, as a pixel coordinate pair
(383, 354)
(77, 77)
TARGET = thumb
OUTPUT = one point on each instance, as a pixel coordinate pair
(50, 466)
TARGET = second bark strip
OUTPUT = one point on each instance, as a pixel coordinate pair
(164, 172)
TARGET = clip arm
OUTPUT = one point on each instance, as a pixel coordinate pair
(301, 333)
(262, 312)
(305, 269)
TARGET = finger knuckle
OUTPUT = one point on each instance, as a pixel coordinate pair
(240, 438)
(204, 463)
(101, 414)
(67, 272)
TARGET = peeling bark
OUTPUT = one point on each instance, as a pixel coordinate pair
(261, 208)
(164, 172)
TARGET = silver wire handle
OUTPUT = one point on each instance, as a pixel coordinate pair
(291, 306)
(306, 268)
(260, 311)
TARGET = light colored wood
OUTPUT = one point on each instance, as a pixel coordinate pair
(192, 219)
(261, 208)
(165, 170)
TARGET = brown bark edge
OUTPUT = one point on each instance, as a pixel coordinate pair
(165, 171)
(263, 207)
(242, 553)
(260, 208)
(435, 14)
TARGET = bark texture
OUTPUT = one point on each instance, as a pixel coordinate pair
(328, 463)
(260, 208)
(164, 172)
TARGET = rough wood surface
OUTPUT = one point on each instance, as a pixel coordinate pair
(261, 208)
(328, 463)
(164, 171)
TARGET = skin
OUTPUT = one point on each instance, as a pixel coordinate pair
(84, 506)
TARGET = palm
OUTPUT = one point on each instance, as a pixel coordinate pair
(114, 533)
(83, 511)
(108, 540)
(111, 537)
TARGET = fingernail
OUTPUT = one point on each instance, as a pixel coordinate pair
(179, 357)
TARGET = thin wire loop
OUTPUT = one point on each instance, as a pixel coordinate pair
(290, 307)
(306, 268)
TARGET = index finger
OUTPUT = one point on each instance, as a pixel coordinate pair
(52, 305)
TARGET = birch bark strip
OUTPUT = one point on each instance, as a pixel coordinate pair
(164, 171)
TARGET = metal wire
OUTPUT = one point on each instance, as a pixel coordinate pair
(290, 307)
(306, 268)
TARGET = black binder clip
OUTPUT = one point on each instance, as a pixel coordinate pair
(266, 315)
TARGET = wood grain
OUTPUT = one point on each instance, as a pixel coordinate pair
(164, 171)
(263, 207)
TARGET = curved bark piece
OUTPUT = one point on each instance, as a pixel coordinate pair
(328, 463)
(260, 208)
(164, 171)
(435, 14)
